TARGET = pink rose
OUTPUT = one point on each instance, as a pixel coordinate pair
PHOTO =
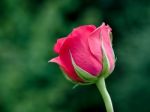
(86, 54)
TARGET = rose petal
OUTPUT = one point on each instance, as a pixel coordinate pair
(80, 51)
(69, 71)
(105, 33)
(94, 42)
(58, 45)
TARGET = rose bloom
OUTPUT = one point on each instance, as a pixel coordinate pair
(86, 54)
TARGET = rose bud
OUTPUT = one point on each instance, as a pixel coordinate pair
(86, 54)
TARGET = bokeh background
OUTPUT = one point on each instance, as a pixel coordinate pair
(28, 31)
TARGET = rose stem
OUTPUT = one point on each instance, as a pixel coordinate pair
(105, 95)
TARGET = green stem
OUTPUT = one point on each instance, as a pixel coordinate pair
(105, 95)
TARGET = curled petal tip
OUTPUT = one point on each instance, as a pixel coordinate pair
(103, 24)
(54, 60)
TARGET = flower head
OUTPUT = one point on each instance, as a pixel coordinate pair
(86, 53)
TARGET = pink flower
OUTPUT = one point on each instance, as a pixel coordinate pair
(86, 53)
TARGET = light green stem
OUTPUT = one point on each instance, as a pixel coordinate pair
(105, 95)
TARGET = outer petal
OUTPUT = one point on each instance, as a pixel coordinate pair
(88, 78)
(58, 45)
(80, 51)
(69, 71)
(105, 33)
(95, 43)
(64, 55)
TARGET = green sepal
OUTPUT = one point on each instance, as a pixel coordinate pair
(76, 85)
(74, 82)
(82, 84)
(106, 66)
(87, 77)
(85, 83)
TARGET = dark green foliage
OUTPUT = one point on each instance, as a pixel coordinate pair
(28, 31)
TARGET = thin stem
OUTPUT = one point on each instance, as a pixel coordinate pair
(105, 95)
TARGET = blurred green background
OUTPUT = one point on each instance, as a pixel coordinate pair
(28, 31)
